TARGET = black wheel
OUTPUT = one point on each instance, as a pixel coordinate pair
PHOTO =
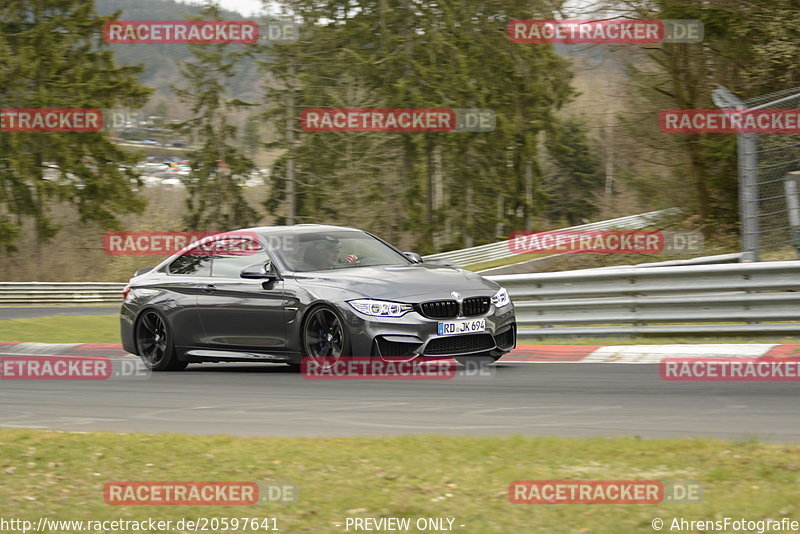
(154, 341)
(324, 336)
(476, 359)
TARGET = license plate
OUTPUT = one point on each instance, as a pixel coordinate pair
(464, 326)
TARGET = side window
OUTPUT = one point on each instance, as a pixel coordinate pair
(191, 264)
(231, 265)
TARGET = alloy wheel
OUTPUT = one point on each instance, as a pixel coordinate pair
(323, 337)
(151, 339)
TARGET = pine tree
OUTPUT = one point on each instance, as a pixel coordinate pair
(218, 168)
(751, 48)
(52, 56)
(444, 189)
(578, 174)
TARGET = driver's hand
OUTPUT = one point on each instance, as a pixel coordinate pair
(350, 259)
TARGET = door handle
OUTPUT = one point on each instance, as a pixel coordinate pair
(210, 288)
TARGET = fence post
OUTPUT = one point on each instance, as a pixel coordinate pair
(793, 206)
(746, 145)
(748, 196)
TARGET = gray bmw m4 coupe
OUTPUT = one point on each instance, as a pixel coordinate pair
(279, 294)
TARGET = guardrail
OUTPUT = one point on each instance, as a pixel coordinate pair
(60, 292)
(717, 299)
(500, 250)
(732, 257)
(705, 299)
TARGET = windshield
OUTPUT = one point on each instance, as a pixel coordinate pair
(319, 251)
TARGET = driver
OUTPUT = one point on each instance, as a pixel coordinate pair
(325, 254)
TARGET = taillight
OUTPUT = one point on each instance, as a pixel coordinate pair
(125, 291)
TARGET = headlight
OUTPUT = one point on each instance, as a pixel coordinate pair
(501, 298)
(380, 308)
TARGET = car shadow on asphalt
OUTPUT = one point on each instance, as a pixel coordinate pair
(239, 368)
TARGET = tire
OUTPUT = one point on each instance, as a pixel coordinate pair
(324, 336)
(154, 343)
(479, 359)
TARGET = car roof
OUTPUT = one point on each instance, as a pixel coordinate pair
(299, 228)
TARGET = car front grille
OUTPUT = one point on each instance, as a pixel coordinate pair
(448, 309)
(439, 309)
(476, 306)
(464, 344)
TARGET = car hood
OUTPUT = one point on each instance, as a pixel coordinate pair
(413, 283)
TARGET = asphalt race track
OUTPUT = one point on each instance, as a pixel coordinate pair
(565, 399)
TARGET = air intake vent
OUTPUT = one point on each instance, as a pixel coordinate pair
(395, 348)
(505, 340)
(459, 344)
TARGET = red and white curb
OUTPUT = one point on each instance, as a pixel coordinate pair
(522, 354)
(646, 353)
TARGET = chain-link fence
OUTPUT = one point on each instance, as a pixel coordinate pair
(767, 190)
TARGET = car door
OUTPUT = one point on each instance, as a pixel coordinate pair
(239, 313)
(181, 283)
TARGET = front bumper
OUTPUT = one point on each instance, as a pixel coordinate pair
(415, 335)
(127, 318)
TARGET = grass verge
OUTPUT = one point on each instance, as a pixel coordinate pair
(61, 476)
(62, 329)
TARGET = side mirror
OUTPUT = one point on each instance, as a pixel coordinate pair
(259, 271)
(142, 271)
(413, 256)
